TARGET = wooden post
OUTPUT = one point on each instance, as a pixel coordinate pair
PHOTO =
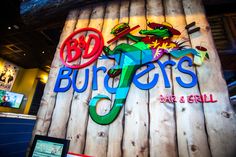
(64, 100)
(191, 136)
(77, 122)
(97, 135)
(162, 138)
(135, 141)
(116, 128)
(220, 117)
(48, 100)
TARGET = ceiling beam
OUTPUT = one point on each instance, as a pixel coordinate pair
(35, 12)
(217, 2)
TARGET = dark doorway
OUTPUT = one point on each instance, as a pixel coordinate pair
(37, 98)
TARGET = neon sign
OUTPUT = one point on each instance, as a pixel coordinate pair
(145, 51)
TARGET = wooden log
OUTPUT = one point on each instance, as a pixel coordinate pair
(97, 135)
(220, 117)
(61, 112)
(62, 107)
(135, 141)
(116, 128)
(48, 100)
(77, 124)
(192, 138)
(162, 132)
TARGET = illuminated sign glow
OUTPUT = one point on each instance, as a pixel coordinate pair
(145, 51)
(72, 48)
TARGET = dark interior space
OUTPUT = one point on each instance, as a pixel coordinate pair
(222, 19)
(37, 98)
(29, 46)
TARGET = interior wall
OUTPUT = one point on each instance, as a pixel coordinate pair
(25, 83)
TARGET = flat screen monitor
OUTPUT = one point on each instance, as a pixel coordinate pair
(10, 99)
(44, 146)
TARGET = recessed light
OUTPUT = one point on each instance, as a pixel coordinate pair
(24, 54)
(9, 27)
(43, 52)
(16, 26)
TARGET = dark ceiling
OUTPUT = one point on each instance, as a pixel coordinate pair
(33, 45)
(27, 46)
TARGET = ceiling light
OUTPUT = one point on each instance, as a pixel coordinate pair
(9, 27)
(13, 48)
(24, 54)
(16, 26)
(47, 66)
(43, 52)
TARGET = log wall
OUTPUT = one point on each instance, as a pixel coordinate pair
(145, 127)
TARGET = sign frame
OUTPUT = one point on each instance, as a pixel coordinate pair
(65, 143)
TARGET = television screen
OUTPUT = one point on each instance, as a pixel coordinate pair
(44, 146)
(47, 149)
(10, 99)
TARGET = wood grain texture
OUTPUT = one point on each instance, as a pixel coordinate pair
(220, 117)
(64, 100)
(116, 128)
(162, 129)
(78, 119)
(97, 135)
(49, 97)
(135, 141)
(145, 126)
(191, 136)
